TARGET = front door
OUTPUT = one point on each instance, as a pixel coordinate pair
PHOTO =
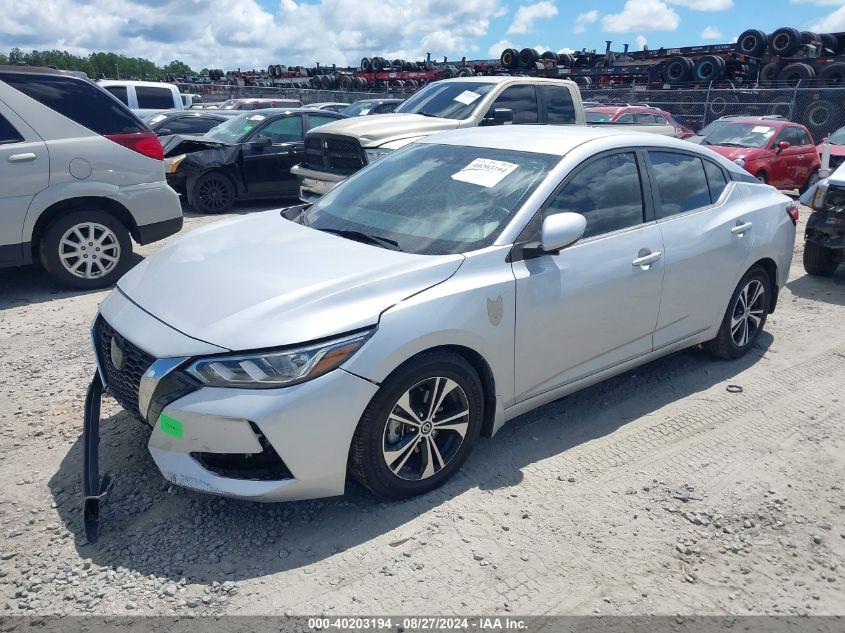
(595, 304)
(267, 167)
(791, 166)
(24, 171)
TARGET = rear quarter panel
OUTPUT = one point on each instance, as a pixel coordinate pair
(772, 234)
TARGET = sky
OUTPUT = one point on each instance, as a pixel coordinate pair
(254, 33)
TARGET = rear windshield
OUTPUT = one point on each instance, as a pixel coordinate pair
(79, 100)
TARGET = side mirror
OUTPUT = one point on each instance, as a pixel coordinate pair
(560, 230)
(782, 145)
(262, 141)
(498, 116)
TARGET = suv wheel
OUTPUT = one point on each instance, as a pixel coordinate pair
(419, 428)
(745, 316)
(820, 261)
(86, 249)
(212, 192)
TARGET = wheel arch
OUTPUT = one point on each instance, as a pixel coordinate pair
(69, 205)
(771, 268)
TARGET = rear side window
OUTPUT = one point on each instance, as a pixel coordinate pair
(79, 100)
(152, 97)
(522, 100)
(681, 183)
(715, 179)
(646, 118)
(191, 125)
(558, 102)
(315, 120)
(626, 118)
(119, 92)
(8, 133)
(660, 120)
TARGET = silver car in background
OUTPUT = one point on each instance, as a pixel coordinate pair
(453, 285)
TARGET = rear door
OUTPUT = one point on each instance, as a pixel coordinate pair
(556, 104)
(267, 169)
(24, 171)
(706, 237)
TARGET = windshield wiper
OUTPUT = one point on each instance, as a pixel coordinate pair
(360, 236)
(431, 114)
(731, 145)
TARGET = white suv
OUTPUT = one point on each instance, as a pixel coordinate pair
(80, 175)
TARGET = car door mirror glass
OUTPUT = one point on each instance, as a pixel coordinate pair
(560, 230)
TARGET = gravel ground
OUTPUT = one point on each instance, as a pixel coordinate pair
(657, 492)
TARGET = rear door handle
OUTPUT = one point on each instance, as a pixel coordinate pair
(21, 158)
(647, 259)
(739, 229)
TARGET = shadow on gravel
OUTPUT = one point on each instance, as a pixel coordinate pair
(827, 289)
(149, 527)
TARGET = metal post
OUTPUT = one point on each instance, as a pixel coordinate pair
(706, 105)
(792, 106)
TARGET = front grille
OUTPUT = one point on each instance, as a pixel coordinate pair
(333, 154)
(263, 466)
(122, 383)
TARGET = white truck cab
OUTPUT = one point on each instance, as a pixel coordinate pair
(145, 97)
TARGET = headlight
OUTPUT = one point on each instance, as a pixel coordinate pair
(740, 162)
(172, 164)
(374, 154)
(819, 196)
(283, 368)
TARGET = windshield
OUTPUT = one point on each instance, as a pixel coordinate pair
(838, 137)
(236, 128)
(433, 199)
(446, 99)
(730, 134)
(359, 108)
(598, 117)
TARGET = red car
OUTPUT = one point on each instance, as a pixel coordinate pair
(837, 148)
(643, 115)
(773, 150)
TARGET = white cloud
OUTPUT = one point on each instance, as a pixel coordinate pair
(566, 50)
(833, 22)
(642, 15)
(526, 15)
(704, 5)
(496, 49)
(641, 42)
(711, 33)
(583, 19)
(241, 33)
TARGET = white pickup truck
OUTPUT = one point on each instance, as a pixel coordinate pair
(145, 97)
(337, 150)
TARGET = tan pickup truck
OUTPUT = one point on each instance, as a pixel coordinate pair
(337, 150)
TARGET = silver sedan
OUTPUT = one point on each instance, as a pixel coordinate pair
(445, 289)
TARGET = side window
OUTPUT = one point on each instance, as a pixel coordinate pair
(522, 100)
(79, 100)
(607, 191)
(8, 133)
(558, 102)
(287, 129)
(715, 179)
(801, 136)
(119, 92)
(660, 120)
(625, 118)
(315, 120)
(789, 134)
(680, 181)
(152, 97)
(645, 118)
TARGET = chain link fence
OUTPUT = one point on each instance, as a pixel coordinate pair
(821, 109)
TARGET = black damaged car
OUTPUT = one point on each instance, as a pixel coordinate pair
(824, 236)
(245, 158)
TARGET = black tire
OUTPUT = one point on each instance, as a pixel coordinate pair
(53, 252)
(820, 261)
(722, 104)
(565, 59)
(762, 177)
(271, 70)
(725, 344)
(752, 42)
(549, 55)
(366, 65)
(212, 192)
(792, 74)
(769, 74)
(830, 45)
(833, 75)
(808, 38)
(528, 57)
(367, 462)
(677, 70)
(812, 180)
(785, 42)
(709, 68)
(820, 116)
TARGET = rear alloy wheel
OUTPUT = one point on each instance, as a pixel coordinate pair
(745, 316)
(819, 260)
(212, 193)
(86, 249)
(419, 428)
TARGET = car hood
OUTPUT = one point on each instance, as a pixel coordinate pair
(263, 281)
(377, 129)
(734, 153)
(175, 144)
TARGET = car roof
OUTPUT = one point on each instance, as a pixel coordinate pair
(557, 140)
(129, 82)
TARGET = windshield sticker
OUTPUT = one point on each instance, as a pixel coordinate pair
(485, 172)
(257, 117)
(762, 129)
(467, 97)
(158, 117)
(367, 111)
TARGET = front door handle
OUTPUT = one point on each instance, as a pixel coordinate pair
(21, 158)
(739, 229)
(646, 259)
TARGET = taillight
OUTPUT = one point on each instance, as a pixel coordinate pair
(145, 143)
(792, 212)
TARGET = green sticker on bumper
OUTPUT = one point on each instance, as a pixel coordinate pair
(171, 426)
